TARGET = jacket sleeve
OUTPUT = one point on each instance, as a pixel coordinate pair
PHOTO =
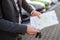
(9, 26)
(26, 6)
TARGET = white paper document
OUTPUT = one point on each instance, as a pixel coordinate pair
(46, 19)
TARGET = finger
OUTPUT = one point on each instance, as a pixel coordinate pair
(32, 33)
(38, 14)
(35, 31)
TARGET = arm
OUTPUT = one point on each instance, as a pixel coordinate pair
(12, 27)
(9, 26)
(29, 9)
(26, 6)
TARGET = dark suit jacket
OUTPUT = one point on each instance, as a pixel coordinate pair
(9, 27)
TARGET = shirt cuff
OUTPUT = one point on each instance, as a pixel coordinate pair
(33, 9)
(32, 12)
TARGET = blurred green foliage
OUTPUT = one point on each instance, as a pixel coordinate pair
(42, 1)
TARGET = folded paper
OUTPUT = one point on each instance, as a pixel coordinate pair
(46, 19)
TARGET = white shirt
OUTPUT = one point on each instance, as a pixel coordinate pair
(18, 10)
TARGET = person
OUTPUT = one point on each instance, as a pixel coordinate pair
(11, 18)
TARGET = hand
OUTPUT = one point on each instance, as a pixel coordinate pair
(31, 30)
(36, 13)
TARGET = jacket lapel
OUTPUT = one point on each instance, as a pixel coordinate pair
(14, 5)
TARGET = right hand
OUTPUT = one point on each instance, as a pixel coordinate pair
(31, 30)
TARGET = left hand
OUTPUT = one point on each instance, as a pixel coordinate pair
(36, 13)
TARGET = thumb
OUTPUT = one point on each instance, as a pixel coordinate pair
(35, 30)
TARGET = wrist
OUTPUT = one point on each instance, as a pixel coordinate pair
(33, 12)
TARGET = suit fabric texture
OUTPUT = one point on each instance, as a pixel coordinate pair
(9, 18)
